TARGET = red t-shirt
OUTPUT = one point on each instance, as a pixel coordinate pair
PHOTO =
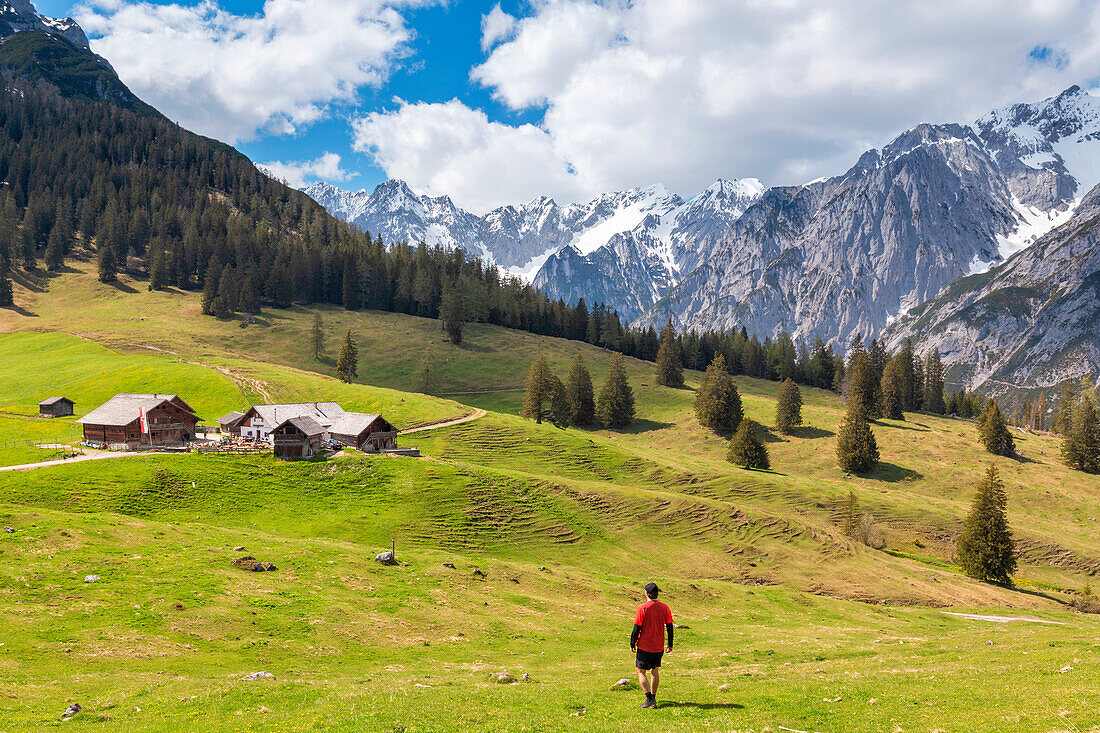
(652, 617)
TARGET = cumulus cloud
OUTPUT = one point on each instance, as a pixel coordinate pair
(448, 148)
(235, 76)
(298, 174)
(684, 91)
(496, 26)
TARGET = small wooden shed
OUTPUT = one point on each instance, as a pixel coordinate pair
(298, 437)
(56, 407)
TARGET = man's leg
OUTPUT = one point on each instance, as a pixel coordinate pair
(643, 681)
(656, 679)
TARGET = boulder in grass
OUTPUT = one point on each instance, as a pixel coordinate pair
(72, 710)
(624, 684)
(91, 578)
(253, 565)
(504, 678)
(9, 530)
(259, 676)
(386, 558)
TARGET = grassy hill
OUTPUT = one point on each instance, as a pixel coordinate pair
(787, 622)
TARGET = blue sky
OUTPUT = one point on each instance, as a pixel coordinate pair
(496, 103)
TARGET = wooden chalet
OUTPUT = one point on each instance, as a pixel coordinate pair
(134, 421)
(297, 437)
(230, 424)
(56, 407)
(371, 433)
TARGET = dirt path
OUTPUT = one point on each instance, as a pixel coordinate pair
(1003, 619)
(241, 381)
(475, 415)
(97, 456)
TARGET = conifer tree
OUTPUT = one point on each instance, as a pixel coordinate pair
(249, 299)
(788, 407)
(670, 372)
(1081, 447)
(6, 293)
(347, 364)
(615, 402)
(850, 516)
(864, 386)
(55, 250)
(985, 549)
(933, 384)
(210, 286)
(746, 449)
(539, 390)
(893, 391)
(578, 388)
(158, 271)
(993, 431)
(452, 311)
(717, 403)
(317, 334)
(856, 449)
(106, 264)
(1063, 412)
(561, 412)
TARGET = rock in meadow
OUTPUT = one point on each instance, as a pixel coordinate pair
(72, 710)
(91, 578)
(386, 558)
(259, 676)
(624, 684)
(504, 678)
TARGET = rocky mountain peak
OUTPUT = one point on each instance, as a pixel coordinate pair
(20, 15)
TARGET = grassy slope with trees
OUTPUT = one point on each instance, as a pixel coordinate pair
(755, 563)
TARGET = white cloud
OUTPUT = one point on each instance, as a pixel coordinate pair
(448, 148)
(685, 91)
(234, 76)
(497, 26)
(298, 174)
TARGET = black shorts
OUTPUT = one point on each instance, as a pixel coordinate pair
(648, 660)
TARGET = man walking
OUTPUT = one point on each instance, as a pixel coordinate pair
(651, 621)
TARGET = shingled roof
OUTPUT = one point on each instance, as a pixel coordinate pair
(123, 409)
(323, 413)
(53, 401)
(307, 425)
(352, 423)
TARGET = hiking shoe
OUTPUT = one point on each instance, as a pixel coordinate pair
(650, 702)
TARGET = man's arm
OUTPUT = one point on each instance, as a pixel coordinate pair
(668, 630)
(634, 637)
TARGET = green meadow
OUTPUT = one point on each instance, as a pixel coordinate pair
(786, 623)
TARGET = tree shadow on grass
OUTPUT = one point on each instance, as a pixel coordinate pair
(121, 287)
(643, 426)
(808, 431)
(702, 705)
(893, 473)
(915, 427)
(22, 311)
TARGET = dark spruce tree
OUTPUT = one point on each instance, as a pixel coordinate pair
(746, 449)
(717, 403)
(933, 400)
(670, 371)
(561, 411)
(1081, 447)
(615, 402)
(864, 385)
(452, 312)
(347, 364)
(856, 449)
(993, 431)
(578, 389)
(788, 407)
(106, 264)
(985, 549)
(894, 390)
(538, 391)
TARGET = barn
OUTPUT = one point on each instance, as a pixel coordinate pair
(259, 421)
(371, 433)
(55, 407)
(298, 437)
(135, 421)
(230, 424)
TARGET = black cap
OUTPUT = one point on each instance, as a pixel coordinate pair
(651, 589)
